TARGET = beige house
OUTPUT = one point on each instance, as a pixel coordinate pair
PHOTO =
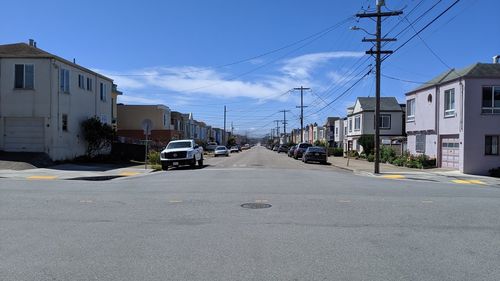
(43, 100)
(132, 118)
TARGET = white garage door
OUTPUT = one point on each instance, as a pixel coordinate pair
(450, 153)
(24, 135)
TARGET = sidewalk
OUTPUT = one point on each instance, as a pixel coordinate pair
(76, 172)
(389, 171)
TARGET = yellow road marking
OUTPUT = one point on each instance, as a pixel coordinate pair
(175, 201)
(344, 201)
(469, 181)
(86, 201)
(477, 182)
(41, 177)
(128, 174)
(461, 181)
(393, 176)
(261, 201)
(427, 201)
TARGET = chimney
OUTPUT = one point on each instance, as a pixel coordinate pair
(32, 42)
(496, 58)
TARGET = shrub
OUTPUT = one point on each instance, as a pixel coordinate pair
(387, 154)
(335, 151)
(367, 142)
(370, 157)
(154, 157)
(353, 153)
(495, 172)
(98, 135)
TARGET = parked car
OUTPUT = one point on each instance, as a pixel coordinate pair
(315, 154)
(181, 152)
(221, 151)
(283, 148)
(234, 149)
(275, 148)
(211, 146)
(301, 148)
(291, 150)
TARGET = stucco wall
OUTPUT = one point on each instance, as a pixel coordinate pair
(131, 116)
(476, 127)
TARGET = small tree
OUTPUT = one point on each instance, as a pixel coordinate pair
(368, 143)
(231, 141)
(98, 135)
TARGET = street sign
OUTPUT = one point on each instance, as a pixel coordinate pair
(147, 126)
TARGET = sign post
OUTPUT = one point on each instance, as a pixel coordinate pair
(147, 125)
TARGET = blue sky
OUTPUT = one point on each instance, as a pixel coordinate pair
(197, 56)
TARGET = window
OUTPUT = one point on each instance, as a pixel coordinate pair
(491, 145)
(64, 80)
(81, 83)
(491, 100)
(357, 123)
(336, 130)
(410, 110)
(103, 91)
(385, 121)
(449, 103)
(65, 122)
(350, 125)
(420, 143)
(24, 76)
(104, 119)
(345, 130)
(89, 84)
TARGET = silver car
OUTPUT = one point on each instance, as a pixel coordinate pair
(221, 151)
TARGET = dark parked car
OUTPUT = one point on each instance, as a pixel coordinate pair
(315, 154)
(291, 151)
(283, 148)
(301, 148)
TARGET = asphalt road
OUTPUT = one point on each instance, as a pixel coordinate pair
(324, 224)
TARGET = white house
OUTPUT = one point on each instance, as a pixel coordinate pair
(43, 100)
(361, 121)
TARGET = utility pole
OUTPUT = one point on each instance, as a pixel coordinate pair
(378, 40)
(284, 122)
(277, 128)
(224, 132)
(301, 111)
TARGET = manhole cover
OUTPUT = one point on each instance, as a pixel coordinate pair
(256, 205)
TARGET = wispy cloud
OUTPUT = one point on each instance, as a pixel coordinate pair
(302, 66)
(194, 81)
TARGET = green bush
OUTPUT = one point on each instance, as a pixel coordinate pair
(495, 172)
(367, 142)
(154, 157)
(387, 154)
(370, 157)
(335, 151)
(353, 153)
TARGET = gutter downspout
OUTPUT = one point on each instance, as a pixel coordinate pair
(437, 116)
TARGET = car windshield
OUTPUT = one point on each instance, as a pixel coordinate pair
(220, 148)
(181, 144)
(304, 145)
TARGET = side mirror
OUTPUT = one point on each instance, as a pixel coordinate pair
(196, 146)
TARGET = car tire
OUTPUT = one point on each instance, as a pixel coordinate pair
(164, 166)
(200, 163)
(193, 163)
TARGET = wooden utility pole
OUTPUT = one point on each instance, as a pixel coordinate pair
(301, 111)
(284, 122)
(378, 40)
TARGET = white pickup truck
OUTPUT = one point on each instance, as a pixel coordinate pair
(181, 152)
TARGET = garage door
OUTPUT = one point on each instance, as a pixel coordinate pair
(450, 153)
(24, 135)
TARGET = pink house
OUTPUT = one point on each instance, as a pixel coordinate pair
(455, 118)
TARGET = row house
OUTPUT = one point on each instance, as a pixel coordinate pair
(329, 128)
(45, 98)
(455, 118)
(361, 121)
(134, 118)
